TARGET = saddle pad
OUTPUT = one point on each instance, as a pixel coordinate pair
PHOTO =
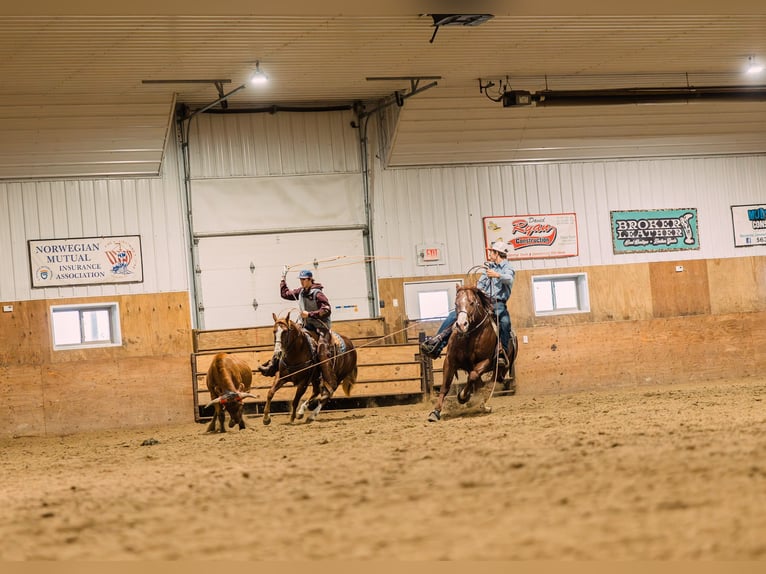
(339, 342)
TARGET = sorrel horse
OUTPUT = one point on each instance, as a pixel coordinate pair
(472, 348)
(304, 360)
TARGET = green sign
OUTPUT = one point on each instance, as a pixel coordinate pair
(654, 230)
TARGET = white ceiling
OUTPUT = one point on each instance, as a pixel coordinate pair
(86, 53)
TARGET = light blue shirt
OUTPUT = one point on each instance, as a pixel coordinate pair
(498, 288)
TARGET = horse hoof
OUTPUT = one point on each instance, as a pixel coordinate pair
(435, 416)
(266, 421)
(299, 416)
(462, 398)
(486, 408)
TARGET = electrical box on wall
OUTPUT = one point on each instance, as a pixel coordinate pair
(430, 253)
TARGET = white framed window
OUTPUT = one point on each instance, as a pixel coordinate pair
(85, 326)
(430, 299)
(559, 294)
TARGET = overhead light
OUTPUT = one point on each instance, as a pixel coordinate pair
(258, 76)
(517, 98)
(753, 67)
(458, 20)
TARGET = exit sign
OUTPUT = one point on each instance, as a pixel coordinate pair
(430, 254)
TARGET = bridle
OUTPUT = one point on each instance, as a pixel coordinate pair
(461, 302)
(283, 328)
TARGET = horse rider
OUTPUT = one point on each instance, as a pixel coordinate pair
(496, 282)
(315, 311)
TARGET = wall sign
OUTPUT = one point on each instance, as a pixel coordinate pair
(749, 223)
(534, 236)
(654, 230)
(86, 261)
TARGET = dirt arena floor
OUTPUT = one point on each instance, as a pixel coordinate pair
(654, 473)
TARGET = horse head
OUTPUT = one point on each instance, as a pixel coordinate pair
(470, 308)
(286, 333)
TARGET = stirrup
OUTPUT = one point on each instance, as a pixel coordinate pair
(429, 349)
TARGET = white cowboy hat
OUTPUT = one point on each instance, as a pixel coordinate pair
(500, 247)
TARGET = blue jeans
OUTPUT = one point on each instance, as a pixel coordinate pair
(500, 315)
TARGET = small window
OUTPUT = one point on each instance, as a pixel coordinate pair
(83, 326)
(425, 300)
(557, 294)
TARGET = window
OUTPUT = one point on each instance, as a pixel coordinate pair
(429, 299)
(82, 326)
(557, 294)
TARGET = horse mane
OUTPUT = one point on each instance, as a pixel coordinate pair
(481, 295)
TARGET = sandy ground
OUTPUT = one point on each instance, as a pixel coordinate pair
(654, 473)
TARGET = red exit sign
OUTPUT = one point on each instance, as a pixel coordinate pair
(431, 254)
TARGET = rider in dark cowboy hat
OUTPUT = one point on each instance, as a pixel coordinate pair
(315, 310)
(496, 282)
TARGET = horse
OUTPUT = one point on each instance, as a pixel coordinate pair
(472, 348)
(305, 359)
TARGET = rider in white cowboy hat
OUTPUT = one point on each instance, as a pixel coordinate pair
(315, 310)
(497, 282)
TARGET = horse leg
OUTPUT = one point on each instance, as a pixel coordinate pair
(329, 381)
(324, 396)
(448, 375)
(278, 382)
(474, 380)
(295, 411)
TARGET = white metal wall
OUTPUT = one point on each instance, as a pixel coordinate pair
(447, 204)
(150, 207)
(262, 144)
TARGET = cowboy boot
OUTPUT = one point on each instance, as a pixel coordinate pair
(270, 367)
(432, 346)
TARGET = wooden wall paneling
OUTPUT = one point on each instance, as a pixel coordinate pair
(22, 333)
(679, 293)
(21, 400)
(620, 293)
(135, 391)
(390, 290)
(737, 285)
(521, 306)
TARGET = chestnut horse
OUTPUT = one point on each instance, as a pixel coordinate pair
(304, 360)
(472, 348)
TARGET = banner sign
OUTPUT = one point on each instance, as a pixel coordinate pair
(654, 230)
(534, 236)
(86, 261)
(749, 223)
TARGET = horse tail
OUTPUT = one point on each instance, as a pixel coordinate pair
(349, 381)
(350, 378)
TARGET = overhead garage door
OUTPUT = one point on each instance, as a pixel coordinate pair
(239, 275)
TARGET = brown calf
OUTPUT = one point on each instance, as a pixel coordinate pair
(228, 380)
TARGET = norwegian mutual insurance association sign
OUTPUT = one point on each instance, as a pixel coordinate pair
(86, 261)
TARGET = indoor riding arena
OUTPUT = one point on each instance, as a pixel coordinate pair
(163, 168)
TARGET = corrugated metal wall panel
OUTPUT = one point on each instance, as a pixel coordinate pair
(150, 207)
(447, 204)
(482, 131)
(262, 144)
(92, 139)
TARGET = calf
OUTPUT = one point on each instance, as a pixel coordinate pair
(228, 380)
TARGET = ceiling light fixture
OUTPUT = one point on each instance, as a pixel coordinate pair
(753, 67)
(258, 76)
